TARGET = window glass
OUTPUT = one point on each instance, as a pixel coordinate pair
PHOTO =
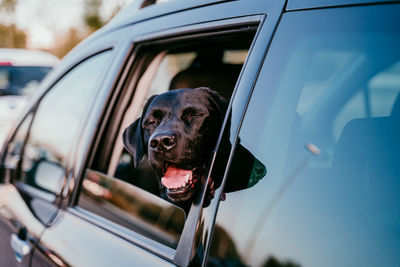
(17, 80)
(15, 146)
(323, 187)
(132, 207)
(56, 124)
(383, 88)
(130, 196)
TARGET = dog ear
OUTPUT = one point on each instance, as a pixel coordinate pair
(220, 103)
(133, 141)
(133, 138)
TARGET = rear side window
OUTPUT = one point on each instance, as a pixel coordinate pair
(322, 129)
(44, 141)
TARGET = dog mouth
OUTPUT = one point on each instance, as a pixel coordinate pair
(180, 183)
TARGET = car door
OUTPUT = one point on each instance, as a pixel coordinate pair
(321, 135)
(110, 219)
(37, 158)
(114, 206)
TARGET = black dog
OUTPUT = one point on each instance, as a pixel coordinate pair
(177, 133)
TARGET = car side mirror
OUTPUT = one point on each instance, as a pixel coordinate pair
(50, 176)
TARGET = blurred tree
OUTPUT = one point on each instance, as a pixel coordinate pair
(93, 20)
(66, 42)
(8, 6)
(10, 35)
(92, 17)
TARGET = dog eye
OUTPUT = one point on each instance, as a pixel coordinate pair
(150, 122)
(189, 113)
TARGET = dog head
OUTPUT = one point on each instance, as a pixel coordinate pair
(177, 133)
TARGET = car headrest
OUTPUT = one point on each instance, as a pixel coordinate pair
(208, 70)
(396, 107)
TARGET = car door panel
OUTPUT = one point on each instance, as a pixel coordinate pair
(75, 241)
(20, 230)
(37, 157)
(325, 185)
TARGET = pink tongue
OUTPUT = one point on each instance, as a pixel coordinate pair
(174, 177)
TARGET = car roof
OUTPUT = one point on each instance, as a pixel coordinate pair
(26, 57)
(308, 4)
(140, 10)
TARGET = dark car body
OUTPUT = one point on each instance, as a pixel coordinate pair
(312, 130)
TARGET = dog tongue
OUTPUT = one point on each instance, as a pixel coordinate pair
(175, 178)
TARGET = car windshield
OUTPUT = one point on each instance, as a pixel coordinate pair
(18, 80)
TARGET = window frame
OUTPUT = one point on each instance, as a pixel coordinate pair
(125, 84)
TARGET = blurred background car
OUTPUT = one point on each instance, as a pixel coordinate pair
(21, 71)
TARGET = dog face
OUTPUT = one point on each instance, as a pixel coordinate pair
(177, 132)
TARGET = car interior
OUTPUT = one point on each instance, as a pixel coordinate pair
(213, 62)
(217, 68)
(355, 124)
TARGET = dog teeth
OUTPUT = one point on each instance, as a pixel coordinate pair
(187, 182)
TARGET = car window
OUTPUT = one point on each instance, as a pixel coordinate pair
(321, 139)
(131, 196)
(17, 80)
(57, 119)
(15, 148)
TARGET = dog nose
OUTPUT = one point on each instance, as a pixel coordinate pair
(163, 141)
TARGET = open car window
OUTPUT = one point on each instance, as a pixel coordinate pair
(130, 196)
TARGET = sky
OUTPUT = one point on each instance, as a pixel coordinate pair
(45, 19)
